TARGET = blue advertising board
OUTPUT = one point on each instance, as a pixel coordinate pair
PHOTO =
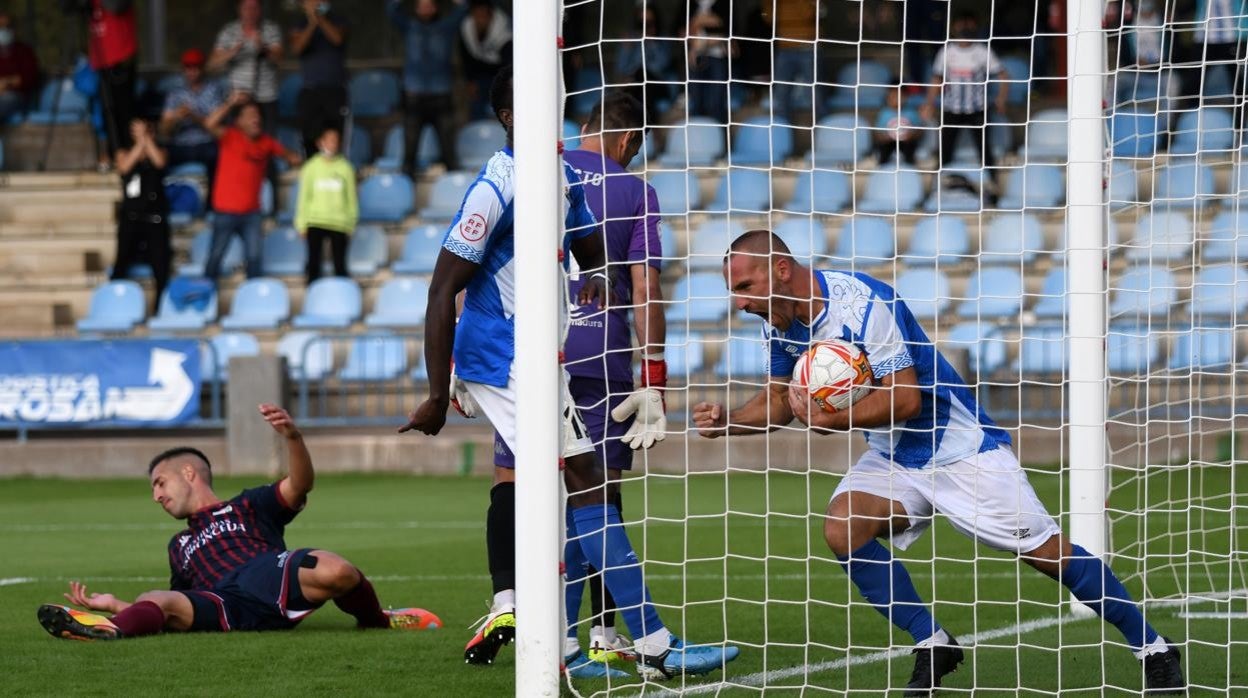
(138, 383)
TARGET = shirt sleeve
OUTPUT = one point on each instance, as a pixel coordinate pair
(177, 580)
(882, 340)
(580, 220)
(646, 244)
(268, 504)
(780, 362)
(470, 232)
(994, 63)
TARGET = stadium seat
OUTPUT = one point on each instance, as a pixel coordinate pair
(1183, 184)
(1124, 188)
(585, 91)
(359, 146)
(891, 192)
(1162, 236)
(267, 201)
(805, 237)
(940, 239)
(291, 139)
(368, 251)
(1011, 238)
(743, 357)
(761, 141)
(1018, 76)
(286, 207)
(986, 350)
(993, 293)
(170, 318)
(199, 255)
(331, 302)
(59, 103)
(194, 169)
(1141, 293)
(710, 241)
(698, 143)
(116, 306)
(1046, 136)
(1220, 290)
(865, 240)
(374, 358)
(1034, 186)
(421, 247)
(308, 355)
(685, 356)
(699, 297)
(400, 303)
(1238, 186)
(743, 189)
(1042, 351)
(860, 85)
(1130, 350)
(374, 93)
(1052, 303)
(288, 95)
(284, 252)
(394, 150)
(670, 249)
(571, 135)
(386, 198)
(1228, 237)
(478, 141)
(1203, 349)
(446, 195)
(186, 200)
(924, 291)
(678, 191)
(1134, 134)
(949, 195)
(821, 191)
(259, 304)
(1206, 130)
(840, 139)
(215, 364)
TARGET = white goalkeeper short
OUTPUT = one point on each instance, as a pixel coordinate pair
(986, 497)
(499, 406)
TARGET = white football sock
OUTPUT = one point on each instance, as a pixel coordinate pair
(655, 643)
(571, 646)
(609, 635)
(1157, 646)
(504, 599)
(940, 637)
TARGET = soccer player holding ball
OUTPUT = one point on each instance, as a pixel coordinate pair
(931, 448)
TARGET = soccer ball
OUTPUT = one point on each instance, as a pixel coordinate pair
(835, 373)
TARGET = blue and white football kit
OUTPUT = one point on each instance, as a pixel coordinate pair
(950, 457)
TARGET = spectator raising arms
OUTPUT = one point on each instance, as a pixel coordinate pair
(486, 34)
(143, 213)
(186, 108)
(243, 156)
(249, 48)
(429, 42)
(327, 207)
(19, 70)
(319, 39)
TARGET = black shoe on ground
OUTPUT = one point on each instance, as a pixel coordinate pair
(1163, 673)
(931, 664)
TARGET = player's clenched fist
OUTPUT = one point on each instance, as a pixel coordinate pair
(709, 419)
(428, 418)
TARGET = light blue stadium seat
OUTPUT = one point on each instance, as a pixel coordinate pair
(865, 240)
(840, 139)
(308, 355)
(860, 85)
(170, 318)
(743, 358)
(259, 304)
(1208, 129)
(215, 364)
(993, 293)
(986, 349)
(1034, 186)
(285, 252)
(359, 146)
(1124, 188)
(698, 143)
(392, 150)
(669, 247)
(1238, 186)
(1052, 303)
(291, 139)
(1042, 351)
(288, 95)
(374, 93)
(268, 202)
(286, 209)
(1183, 184)
(1011, 238)
(585, 91)
(192, 169)
(571, 135)
(677, 191)
(1203, 349)
(446, 195)
(400, 303)
(821, 191)
(1130, 350)
(1134, 134)
(116, 306)
(805, 237)
(685, 356)
(743, 189)
(1228, 237)
(72, 108)
(386, 197)
(761, 141)
(710, 241)
(1018, 84)
(1162, 236)
(331, 302)
(478, 141)
(1220, 290)
(1046, 136)
(699, 297)
(368, 251)
(891, 192)
(374, 358)
(199, 255)
(939, 239)
(924, 291)
(1141, 293)
(947, 198)
(421, 247)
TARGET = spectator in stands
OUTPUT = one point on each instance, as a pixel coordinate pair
(143, 213)
(795, 24)
(186, 108)
(327, 209)
(429, 39)
(895, 134)
(250, 48)
(486, 42)
(647, 62)
(962, 68)
(319, 39)
(1220, 38)
(19, 70)
(709, 47)
(244, 152)
(923, 28)
(112, 48)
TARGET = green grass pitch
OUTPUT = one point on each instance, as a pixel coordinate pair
(422, 542)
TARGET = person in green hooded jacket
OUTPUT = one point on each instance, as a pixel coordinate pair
(327, 208)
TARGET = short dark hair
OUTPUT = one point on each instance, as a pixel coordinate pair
(474, 4)
(757, 243)
(618, 111)
(250, 104)
(500, 90)
(966, 16)
(177, 453)
(326, 128)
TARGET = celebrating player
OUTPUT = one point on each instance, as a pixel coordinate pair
(478, 255)
(931, 449)
(230, 567)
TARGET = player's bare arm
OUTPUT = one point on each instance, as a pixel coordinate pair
(893, 400)
(300, 476)
(767, 411)
(649, 322)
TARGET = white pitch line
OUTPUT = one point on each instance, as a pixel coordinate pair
(10, 581)
(1216, 615)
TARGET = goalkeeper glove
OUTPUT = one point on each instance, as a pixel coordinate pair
(650, 426)
(461, 399)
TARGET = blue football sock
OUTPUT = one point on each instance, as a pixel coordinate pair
(574, 564)
(1093, 583)
(611, 552)
(886, 585)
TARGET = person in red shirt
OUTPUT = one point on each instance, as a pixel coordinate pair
(112, 48)
(19, 70)
(243, 154)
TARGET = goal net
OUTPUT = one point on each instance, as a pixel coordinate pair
(823, 123)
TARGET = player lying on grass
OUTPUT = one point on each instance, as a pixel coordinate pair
(931, 448)
(478, 255)
(230, 566)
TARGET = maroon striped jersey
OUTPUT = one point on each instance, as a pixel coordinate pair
(221, 538)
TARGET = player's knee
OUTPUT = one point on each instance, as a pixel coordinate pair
(336, 574)
(836, 533)
(1050, 557)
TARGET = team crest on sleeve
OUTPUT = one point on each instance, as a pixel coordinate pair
(472, 228)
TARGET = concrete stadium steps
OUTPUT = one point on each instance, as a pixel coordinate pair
(70, 147)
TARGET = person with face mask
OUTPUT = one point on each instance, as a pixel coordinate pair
(19, 70)
(327, 208)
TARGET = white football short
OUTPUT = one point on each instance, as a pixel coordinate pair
(499, 406)
(986, 497)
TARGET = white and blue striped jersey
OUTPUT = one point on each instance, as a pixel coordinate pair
(964, 71)
(483, 232)
(950, 425)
